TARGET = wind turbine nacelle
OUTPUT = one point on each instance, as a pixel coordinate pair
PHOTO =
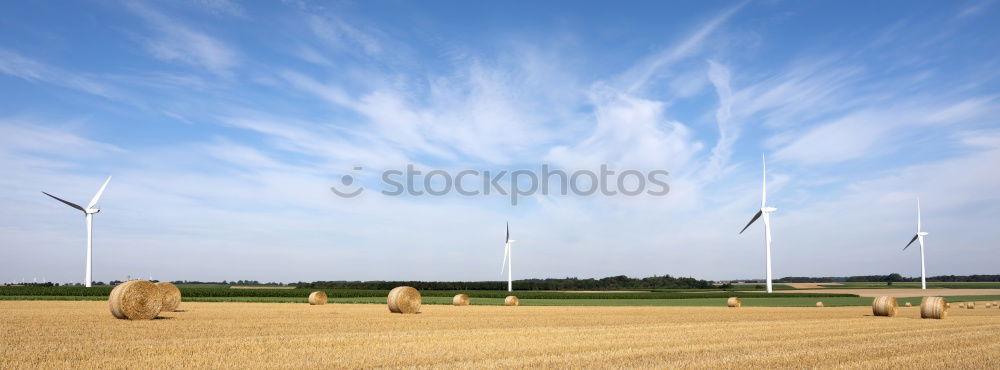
(922, 233)
(768, 209)
(93, 211)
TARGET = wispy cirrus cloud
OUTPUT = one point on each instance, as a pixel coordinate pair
(176, 41)
(638, 76)
(17, 65)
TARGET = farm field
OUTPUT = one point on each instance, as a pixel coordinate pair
(868, 285)
(60, 334)
(911, 292)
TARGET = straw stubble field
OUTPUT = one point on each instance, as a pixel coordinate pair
(213, 335)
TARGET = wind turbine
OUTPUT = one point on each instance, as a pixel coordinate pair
(919, 237)
(766, 212)
(507, 261)
(89, 213)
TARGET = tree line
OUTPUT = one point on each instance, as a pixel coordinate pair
(893, 277)
(570, 283)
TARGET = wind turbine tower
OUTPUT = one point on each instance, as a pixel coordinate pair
(89, 213)
(766, 212)
(508, 242)
(920, 237)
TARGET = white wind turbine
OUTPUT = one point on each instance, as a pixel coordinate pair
(766, 212)
(919, 237)
(507, 261)
(89, 213)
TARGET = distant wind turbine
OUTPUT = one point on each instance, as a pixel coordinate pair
(766, 212)
(507, 259)
(919, 237)
(89, 212)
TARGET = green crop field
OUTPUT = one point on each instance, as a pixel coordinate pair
(915, 285)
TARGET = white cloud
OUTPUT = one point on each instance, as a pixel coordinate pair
(637, 77)
(629, 132)
(179, 42)
(20, 135)
(19, 66)
(729, 131)
(974, 8)
(344, 36)
(869, 133)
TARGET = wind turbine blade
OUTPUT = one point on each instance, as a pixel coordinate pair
(507, 238)
(763, 197)
(506, 252)
(71, 204)
(755, 217)
(911, 242)
(918, 215)
(97, 196)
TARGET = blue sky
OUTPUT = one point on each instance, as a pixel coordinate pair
(224, 125)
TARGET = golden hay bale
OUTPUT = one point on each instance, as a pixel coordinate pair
(908, 304)
(171, 296)
(961, 305)
(733, 302)
(947, 304)
(970, 305)
(819, 304)
(511, 301)
(404, 299)
(933, 308)
(136, 300)
(317, 298)
(460, 300)
(885, 306)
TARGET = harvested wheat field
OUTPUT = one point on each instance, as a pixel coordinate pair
(59, 334)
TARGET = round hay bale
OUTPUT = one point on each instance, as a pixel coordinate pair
(933, 308)
(970, 305)
(885, 306)
(961, 305)
(136, 300)
(908, 304)
(947, 304)
(511, 301)
(171, 296)
(819, 304)
(317, 298)
(404, 299)
(460, 300)
(733, 302)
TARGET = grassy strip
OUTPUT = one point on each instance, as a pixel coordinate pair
(913, 285)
